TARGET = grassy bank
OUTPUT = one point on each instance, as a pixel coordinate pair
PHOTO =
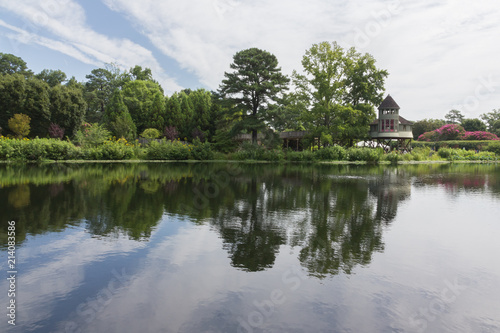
(40, 150)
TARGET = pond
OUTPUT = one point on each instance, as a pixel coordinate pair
(227, 247)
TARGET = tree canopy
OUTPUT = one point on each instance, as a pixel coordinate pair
(10, 64)
(454, 117)
(255, 82)
(340, 89)
(333, 98)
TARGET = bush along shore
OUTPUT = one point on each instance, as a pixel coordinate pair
(39, 150)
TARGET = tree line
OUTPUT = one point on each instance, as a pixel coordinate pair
(489, 122)
(334, 98)
(126, 102)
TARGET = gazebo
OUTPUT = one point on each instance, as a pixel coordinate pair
(390, 126)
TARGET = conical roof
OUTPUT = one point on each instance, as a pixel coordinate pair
(389, 103)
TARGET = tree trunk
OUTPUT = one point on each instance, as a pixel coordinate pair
(254, 136)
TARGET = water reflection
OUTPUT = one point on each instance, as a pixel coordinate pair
(162, 226)
(334, 214)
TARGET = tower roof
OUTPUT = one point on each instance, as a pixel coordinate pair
(389, 103)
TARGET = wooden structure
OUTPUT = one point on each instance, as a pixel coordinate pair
(292, 139)
(391, 127)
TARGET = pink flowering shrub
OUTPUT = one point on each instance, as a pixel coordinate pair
(455, 132)
(480, 135)
(444, 133)
(450, 132)
(428, 136)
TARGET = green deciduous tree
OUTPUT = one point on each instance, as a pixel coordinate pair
(473, 125)
(492, 119)
(19, 124)
(100, 85)
(454, 117)
(12, 93)
(37, 106)
(118, 118)
(340, 90)
(67, 108)
(287, 114)
(180, 112)
(255, 82)
(158, 112)
(139, 97)
(174, 114)
(138, 73)
(52, 77)
(202, 110)
(426, 125)
(10, 64)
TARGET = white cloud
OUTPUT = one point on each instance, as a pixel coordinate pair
(436, 51)
(23, 36)
(65, 21)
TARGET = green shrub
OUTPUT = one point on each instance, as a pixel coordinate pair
(224, 142)
(494, 146)
(7, 149)
(33, 150)
(335, 153)
(201, 150)
(365, 154)
(62, 150)
(467, 144)
(157, 150)
(116, 151)
(92, 135)
(92, 153)
(249, 151)
(445, 153)
(167, 150)
(220, 156)
(393, 157)
(421, 154)
(300, 156)
(466, 155)
(150, 133)
(275, 155)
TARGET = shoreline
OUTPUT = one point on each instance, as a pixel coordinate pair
(250, 162)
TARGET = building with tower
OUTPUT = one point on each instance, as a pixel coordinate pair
(391, 128)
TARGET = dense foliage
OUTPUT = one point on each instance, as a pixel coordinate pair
(255, 83)
(340, 89)
(333, 99)
(455, 132)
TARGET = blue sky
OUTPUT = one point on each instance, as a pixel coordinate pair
(441, 55)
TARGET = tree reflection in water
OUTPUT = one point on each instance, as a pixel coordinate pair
(335, 214)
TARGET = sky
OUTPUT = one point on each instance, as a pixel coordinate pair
(440, 55)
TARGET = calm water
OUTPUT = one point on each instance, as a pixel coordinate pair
(252, 248)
